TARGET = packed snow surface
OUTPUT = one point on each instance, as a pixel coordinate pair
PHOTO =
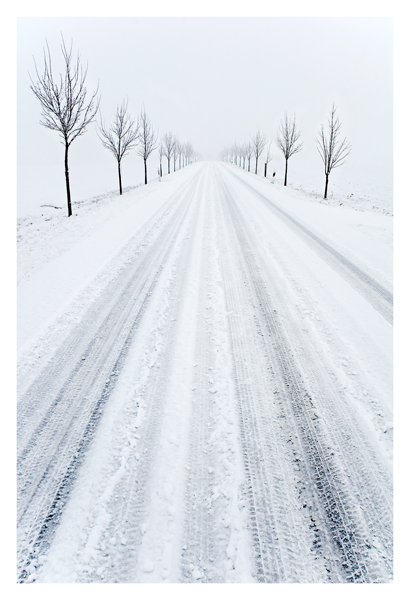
(205, 386)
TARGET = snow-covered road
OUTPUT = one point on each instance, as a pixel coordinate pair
(213, 404)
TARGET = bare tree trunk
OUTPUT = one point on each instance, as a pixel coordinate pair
(326, 184)
(286, 172)
(145, 169)
(249, 165)
(256, 166)
(169, 165)
(266, 167)
(67, 181)
(119, 176)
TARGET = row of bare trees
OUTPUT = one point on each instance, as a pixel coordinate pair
(172, 148)
(286, 140)
(240, 153)
(332, 149)
(126, 134)
(68, 109)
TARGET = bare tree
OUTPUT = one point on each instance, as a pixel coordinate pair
(286, 140)
(161, 153)
(187, 153)
(183, 154)
(190, 154)
(258, 144)
(332, 150)
(180, 153)
(176, 151)
(268, 157)
(147, 140)
(234, 152)
(249, 154)
(242, 153)
(121, 137)
(226, 153)
(64, 102)
(168, 142)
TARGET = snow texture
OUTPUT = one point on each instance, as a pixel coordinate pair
(205, 386)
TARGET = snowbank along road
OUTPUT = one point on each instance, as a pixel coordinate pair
(214, 404)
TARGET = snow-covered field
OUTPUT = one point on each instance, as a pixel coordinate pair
(205, 385)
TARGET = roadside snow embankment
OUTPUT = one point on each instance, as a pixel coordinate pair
(363, 236)
(58, 256)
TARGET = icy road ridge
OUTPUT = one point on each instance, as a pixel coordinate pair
(377, 295)
(202, 421)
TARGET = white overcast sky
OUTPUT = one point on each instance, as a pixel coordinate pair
(213, 82)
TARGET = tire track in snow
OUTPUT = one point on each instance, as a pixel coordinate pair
(139, 496)
(340, 520)
(199, 531)
(50, 453)
(214, 542)
(281, 538)
(370, 485)
(159, 552)
(309, 509)
(363, 478)
(104, 290)
(372, 291)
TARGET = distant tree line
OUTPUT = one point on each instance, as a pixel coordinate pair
(66, 107)
(172, 149)
(332, 149)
